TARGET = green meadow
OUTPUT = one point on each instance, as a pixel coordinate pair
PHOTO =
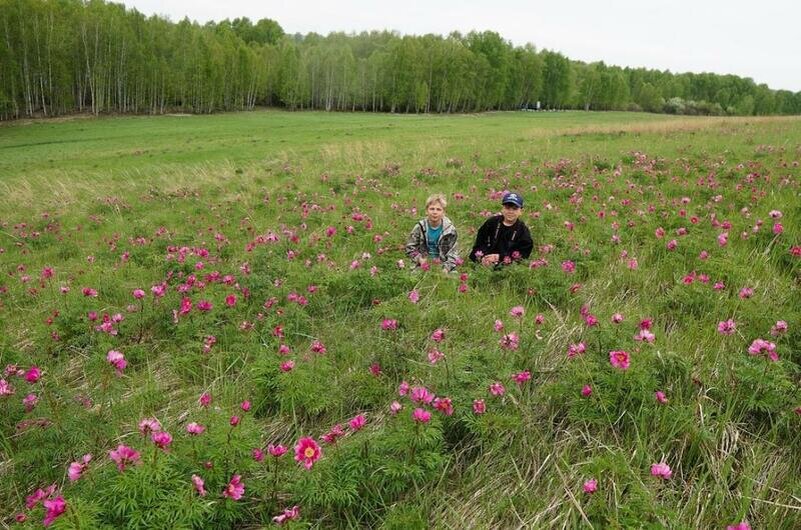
(269, 250)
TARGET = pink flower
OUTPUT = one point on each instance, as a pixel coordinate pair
(586, 391)
(245, 406)
(517, 311)
(117, 360)
(522, 377)
(619, 359)
(591, 486)
(40, 494)
(195, 428)
(779, 328)
(434, 356)
(33, 374)
(318, 347)
(672, 244)
(5, 388)
(778, 228)
(438, 335)
(727, 327)
(77, 469)
(149, 425)
(660, 397)
(30, 401)
(414, 296)
(204, 306)
(358, 422)
(162, 439)
(287, 366)
(257, 454)
(723, 239)
(739, 526)
(510, 341)
(389, 324)
(746, 292)
(307, 451)
(644, 335)
(138, 294)
(539, 319)
(444, 405)
(235, 488)
(617, 318)
(760, 346)
(498, 327)
(395, 407)
(497, 389)
(89, 292)
(123, 456)
(288, 515)
(205, 399)
(661, 470)
(276, 450)
(199, 485)
(54, 508)
(479, 407)
(574, 350)
(421, 416)
(234, 421)
(403, 388)
(421, 394)
(230, 300)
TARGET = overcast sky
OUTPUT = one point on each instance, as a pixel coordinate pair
(756, 39)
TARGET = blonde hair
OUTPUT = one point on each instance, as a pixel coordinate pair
(437, 197)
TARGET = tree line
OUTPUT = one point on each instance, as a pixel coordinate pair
(64, 56)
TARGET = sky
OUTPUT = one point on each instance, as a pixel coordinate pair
(760, 40)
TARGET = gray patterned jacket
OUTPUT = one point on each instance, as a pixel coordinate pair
(417, 246)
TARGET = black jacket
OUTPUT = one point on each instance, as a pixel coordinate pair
(496, 238)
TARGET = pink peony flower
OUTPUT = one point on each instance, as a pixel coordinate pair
(33, 374)
(438, 335)
(117, 360)
(778, 328)
(287, 366)
(727, 327)
(746, 292)
(444, 405)
(162, 439)
(586, 391)
(276, 450)
(522, 377)
(739, 526)
(257, 454)
(414, 296)
(421, 416)
(358, 422)
(591, 486)
(403, 388)
(661, 470)
(53, 509)
(434, 356)
(149, 425)
(479, 407)
(124, 455)
(574, 350)
(619, 359)
(617, 318)
(395, 407)
(660, 397)
(421, 394)
(510, 341)
(195, 428)
(205, 399)
(199, 485)
(77, 469)
(235, 488)
(138, 294)
(498, 327)
(760, 346)
(30, 401)
(288, 515)
(517, 311)
(307, 451)
(318, 347)
(389, 324)
(497, 389)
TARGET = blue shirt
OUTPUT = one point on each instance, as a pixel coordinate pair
(432, 238)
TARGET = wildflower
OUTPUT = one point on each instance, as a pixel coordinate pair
(590, 486)
(389, 324)
(760, 346)
(162, 439)
(29, 402)
(660, 397)
(40, 494)
(539, 319)
(138, 294)
(245, 406)
(574, 350)
(358, 422)
(257, 454)
(204, 306)
(234, 421)
(276, 450)
(403, 388)
(644, 335)
(510, 341)
(444, 405)
(287, 366)
(586, 391)
(778, 228)
(619, 359)
(421, 416)
(497, 389)
(307, 451)
(89, 292)
(778, 328)
(124, 455)
(33, 374)
(739, 526)
(727, 327)
(661, 470)
(746, 292)
(517, 311)
(672, 244)
(235, 488)
(479, 407)
(522, 377)
(723, 239)
(195, 429)
(288, 515)
(617, 318)
(590, 320)
(421, 394)
(186, 306)
(77, 469)
(395, 407)
(414, 296)
(205, 399)
(117, 360)
(149, 425)
(54, 508)
(719, 286)
(498, 327)
(199, 485)
(435, 355)
(318, 347)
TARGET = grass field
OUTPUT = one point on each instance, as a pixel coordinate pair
(266, 246)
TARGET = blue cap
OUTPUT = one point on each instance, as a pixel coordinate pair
(512, 198)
